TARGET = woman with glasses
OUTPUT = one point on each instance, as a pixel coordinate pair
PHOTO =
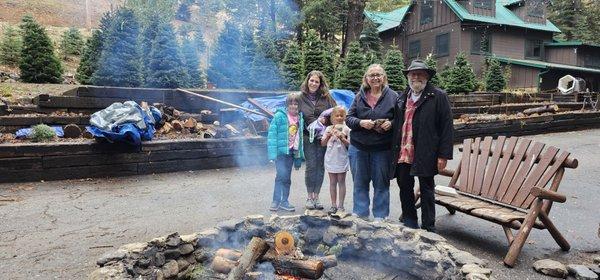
(370, 118)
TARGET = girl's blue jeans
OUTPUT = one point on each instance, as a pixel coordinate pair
(283, 180)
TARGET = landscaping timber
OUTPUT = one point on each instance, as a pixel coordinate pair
(67, 160)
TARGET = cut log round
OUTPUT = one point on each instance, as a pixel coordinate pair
(222, 265)
(254, 251)
(72, 131)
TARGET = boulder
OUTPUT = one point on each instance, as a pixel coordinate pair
(581, 272)
(551, 268)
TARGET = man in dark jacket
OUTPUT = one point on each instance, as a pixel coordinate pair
(422, 142)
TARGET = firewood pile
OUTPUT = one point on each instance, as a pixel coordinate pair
(287, 260)
(175, 122)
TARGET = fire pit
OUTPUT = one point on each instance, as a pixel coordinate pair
(347, 248)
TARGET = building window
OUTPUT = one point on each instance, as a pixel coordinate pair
(414, 49)
(483, 4)
(442, 44)
(592, 61)
(481, 42)
(426, 12)
(536, 8)
(534, 49)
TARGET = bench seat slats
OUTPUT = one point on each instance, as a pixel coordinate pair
(493, 164)
(482, 160)
(514, 164)
(510, 147)
(532, 153)
(535, 175)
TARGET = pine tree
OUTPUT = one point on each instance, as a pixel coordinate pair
(494, 76)
(38, 62)
(328, 64)
(564, 13)
(192, 63)
(183, 12)
(369, 38)
(89, 58)
(313, 52)
(352, 69)
(10, 47)
(265, 73)
(71, 42)
(394, 64)
(225, 61)
(432, 64)
(199, 42)
(293, 68)
(443, 76)
(166, 69)
(249, 50)
(119, 63)
(147, 40)
(461, 78)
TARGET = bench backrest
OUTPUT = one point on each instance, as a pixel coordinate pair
(506, 169)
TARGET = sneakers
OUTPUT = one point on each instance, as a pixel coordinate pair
(287, 207)
(341, 209)
(379, 220)
(332, 210)
(310, 204)
(318, 204)
(274, 206)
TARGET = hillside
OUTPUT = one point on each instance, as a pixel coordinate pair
(60, 13)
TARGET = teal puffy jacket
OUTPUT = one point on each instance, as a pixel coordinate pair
(277, 138)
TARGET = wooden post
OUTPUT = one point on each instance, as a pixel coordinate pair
(519, 241)
(562, 242)
(509, 235)
(254, 251)
(260, 106)
(220, 101)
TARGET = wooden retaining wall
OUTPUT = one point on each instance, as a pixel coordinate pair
(68, 160)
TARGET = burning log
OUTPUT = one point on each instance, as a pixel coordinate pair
(543, 109)
(254, 251)
(328, 261)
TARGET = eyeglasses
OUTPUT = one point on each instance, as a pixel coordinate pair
(375, 75)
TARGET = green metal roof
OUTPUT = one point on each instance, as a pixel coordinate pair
(388, 20)
(545, 65)
(572, 43)
(504, 16)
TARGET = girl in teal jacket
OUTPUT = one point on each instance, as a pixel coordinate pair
(284, 146)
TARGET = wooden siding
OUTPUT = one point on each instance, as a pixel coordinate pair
(523, 77)
(586, 54)
(442, 15)
(469, 5)
(428, 42)
(510, 42)
(562, 55)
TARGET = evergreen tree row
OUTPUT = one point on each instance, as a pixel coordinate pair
(124, 53)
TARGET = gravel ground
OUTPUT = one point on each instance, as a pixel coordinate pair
(58, 229)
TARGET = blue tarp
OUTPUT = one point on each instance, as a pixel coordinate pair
(26, 132)
(342, 97)
(129, 133)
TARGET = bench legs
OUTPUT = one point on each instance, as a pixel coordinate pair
(452, 211)
(509, 235)
(521, 237)
(562, 242)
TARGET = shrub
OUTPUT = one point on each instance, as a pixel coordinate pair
(42, 133)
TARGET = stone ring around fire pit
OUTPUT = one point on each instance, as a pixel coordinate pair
(363, 249)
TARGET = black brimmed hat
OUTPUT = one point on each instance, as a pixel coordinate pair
(419, 64)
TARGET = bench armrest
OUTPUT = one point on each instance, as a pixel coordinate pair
(546, 194)
(447, 172)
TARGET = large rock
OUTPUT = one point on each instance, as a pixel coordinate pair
(170, 269)
(476, 276)
(581, 272)
(475, 269)
(111, 256)
(112, 272)
(551, 268)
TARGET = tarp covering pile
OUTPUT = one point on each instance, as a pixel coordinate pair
(125, 122)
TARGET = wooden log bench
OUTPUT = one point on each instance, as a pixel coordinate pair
(512, 182)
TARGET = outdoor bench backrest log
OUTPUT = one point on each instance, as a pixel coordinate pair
(512, 182)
